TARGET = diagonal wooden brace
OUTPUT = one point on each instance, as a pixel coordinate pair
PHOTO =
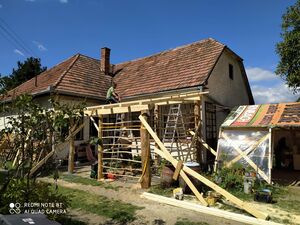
(164, 153)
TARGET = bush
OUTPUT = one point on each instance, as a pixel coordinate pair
(231, 178)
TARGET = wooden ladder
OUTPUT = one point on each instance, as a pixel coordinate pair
(175, 133)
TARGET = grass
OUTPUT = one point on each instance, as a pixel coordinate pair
(69, 221)
(185, 221)
(156, 189)
(100, 205)
(80, 180)
(87, 181)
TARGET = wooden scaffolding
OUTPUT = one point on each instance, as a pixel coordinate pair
(108, 150)
(143, 107)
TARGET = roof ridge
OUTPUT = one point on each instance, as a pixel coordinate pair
(171, 49)
(88, 56)
(66, 71)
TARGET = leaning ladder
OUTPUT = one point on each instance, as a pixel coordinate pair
(175, 133)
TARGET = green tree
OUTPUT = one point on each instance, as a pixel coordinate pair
(24, 71)
(289, 48)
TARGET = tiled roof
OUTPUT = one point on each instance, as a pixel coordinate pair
(78, 75)
(182, 67)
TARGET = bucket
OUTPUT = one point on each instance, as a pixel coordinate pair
(248, 185)
(196, 167)
(166, 178)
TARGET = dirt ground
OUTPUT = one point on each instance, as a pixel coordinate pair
(129, 191)
(152, 212)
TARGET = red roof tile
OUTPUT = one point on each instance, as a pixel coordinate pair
(182, 67)
(79, 75)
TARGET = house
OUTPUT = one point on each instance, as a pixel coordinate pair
(206, 65)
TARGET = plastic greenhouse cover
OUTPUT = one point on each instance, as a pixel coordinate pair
(244, 140)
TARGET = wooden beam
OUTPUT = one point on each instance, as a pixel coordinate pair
(94, 123)
(145, 155)
(176, 97)
(100, 149)
(178, 169)
(55, 149)
(205, 144)
(164, 153)
(271, 141)
(207, 210)
(122, 109)
(174, 163)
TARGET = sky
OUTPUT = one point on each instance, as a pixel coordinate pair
(54, 30)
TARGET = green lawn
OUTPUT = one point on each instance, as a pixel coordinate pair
(100, 205)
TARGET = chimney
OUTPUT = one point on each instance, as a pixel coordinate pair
(105, 60)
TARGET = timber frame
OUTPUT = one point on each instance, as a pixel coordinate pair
(143, 106)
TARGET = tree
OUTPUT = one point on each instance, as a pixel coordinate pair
(33, 131)
(289, 48)
(25, 71)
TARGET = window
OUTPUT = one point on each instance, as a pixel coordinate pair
(230, 71)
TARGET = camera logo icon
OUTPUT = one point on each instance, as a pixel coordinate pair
(14, 208)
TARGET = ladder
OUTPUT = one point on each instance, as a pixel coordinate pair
(175, 134)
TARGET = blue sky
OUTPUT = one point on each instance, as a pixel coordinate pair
(57, 29)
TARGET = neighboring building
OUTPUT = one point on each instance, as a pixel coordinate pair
(204, 65)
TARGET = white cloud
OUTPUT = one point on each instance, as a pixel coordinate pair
(63, 1)
(267, 87)
(17, 51)
(258, 74)
(40, 46)
(274, 94)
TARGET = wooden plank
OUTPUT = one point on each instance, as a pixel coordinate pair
(169, 102)
(104, 111)
(207, 210)
(56, 148)
(174, 163)
(100, 149)
(137, 108)
(174, 97)
(178, 169)
(197, 98)
(271, 141)
(251, 163)
(94, 123)
(205, 144)
(164, 153)
(208, 147)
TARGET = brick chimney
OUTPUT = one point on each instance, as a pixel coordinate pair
(105, 60)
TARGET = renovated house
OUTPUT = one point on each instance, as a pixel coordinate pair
(207, 66)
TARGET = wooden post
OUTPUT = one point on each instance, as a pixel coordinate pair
(145, 148)
(100, 149)
(198, 131)
(71, 154)
(270, 162)
(157, 131)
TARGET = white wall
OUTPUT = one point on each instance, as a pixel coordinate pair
(224, 90)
